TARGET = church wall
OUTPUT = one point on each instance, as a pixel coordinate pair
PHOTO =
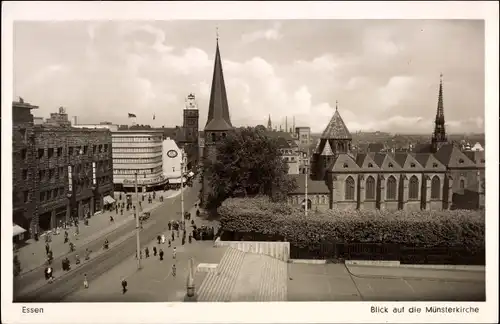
(468, 197)
(389, 204)
(407, 203)
(338, 194)
(363, 202)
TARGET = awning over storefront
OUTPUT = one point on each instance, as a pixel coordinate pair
(17, 230)
(108, 200)
(176, 180)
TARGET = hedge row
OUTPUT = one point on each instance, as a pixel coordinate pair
(457, 228)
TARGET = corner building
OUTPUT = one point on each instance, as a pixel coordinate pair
(218, 123)
(138, 151)
(441, 177)
(59, 172)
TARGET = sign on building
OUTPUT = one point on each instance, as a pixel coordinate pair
(93, 173)
(70, 179)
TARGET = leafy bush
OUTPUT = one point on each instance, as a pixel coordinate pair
(457, 228)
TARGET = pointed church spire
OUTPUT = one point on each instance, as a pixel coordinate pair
(336, 105)
(218, 108)
(439, 135)
(269, 124)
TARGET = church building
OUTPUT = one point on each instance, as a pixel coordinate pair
(436, 178)
(218, 122)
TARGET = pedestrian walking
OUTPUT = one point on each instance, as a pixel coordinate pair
(71, 247)
(47, 248)
(85, 282)
(50, 257)
(87, 254)
(169, 225)
(124, 286)
(161, 255)
(174, 253)
(146, 252)
(183, 241)
(66, 237)
(77, 259)
(190, 238)
(163, 239)
(121, 211)
(155, 252)
(106, 244)
(173, 237)
(159, 239)
(111, 219)
(173, 270)
(169, 243)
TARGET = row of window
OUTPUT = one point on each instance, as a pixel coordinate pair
(391, 188)
(53, 173)
(137, 150)
(51, 194)
(143, 160)
(316, 199)
(288, 152)
(132, 139)
(289, 159)
(72, 150)
(138, 171)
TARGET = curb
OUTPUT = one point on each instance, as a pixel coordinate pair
(367, 276)
(397, 264)
(306, 261)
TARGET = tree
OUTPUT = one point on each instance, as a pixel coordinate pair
(248, 163)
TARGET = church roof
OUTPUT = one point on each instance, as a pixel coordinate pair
(429, 162)
(327, 150)
(477, 157)
(375, 147)
(365, 161)
(218, 108)
(344, 162)
(408, 162)
(313, 186)
(451, 156)
(386, 162)
(422, 148)
(336, 128)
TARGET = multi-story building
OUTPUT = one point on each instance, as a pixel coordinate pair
(444, 177)
(173, 170)
(67, 172)
(288, 149)
(59, 118)
(138, 151)
(24, 166)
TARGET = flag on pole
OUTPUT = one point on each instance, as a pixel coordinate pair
(131, 115)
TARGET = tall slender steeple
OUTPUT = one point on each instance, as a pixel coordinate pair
(439, 136)
(269, 123)
(218, 109)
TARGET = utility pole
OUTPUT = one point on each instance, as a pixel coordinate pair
(182, 186)
(137, 224)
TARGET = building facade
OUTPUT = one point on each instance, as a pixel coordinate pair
(138, 151)
(172, 167)
(218, 122)
(442, 178)
(67, 172)
(24, 166)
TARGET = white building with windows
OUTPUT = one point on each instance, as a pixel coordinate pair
(141, 152)
(172, 162)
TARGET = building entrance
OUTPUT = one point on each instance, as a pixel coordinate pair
(44, 221)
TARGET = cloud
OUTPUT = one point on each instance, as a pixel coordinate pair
(272, 33)
(101, 70)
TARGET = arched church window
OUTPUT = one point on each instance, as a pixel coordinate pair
(413, 188)
(349, 188)
(391, 188)
(435, 187)
(370, 188)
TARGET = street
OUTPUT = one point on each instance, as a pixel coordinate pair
(122, 245)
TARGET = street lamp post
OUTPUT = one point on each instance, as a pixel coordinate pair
(306, 202)
(137, 224)
(182, 186)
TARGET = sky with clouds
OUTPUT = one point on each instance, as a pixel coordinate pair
(383, 73)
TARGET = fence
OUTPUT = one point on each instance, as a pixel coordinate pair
(372, 251)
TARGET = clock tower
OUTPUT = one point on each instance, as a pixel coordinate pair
(190, 130)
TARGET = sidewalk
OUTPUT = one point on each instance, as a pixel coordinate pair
(32, 255)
